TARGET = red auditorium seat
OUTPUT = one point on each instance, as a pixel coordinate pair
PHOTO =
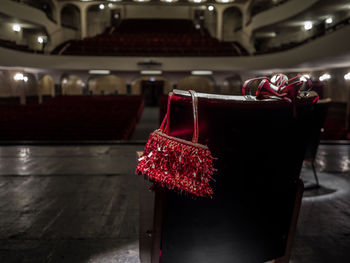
(73, 118)
(170, 37)
(260, 148)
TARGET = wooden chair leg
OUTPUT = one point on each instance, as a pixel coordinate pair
(293, 226)
(315, 173)
(151, 216)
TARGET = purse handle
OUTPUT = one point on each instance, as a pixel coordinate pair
(164, 127)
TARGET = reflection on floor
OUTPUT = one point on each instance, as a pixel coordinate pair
(80, 204)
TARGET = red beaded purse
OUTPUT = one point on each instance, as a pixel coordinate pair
(176, 163)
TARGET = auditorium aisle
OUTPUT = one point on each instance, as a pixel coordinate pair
(80, 204)
(148, 123)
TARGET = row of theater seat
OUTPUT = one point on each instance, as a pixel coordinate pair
(134, 37)
(150, 26)
(72, 118)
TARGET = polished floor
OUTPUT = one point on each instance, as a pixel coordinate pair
(80, 204)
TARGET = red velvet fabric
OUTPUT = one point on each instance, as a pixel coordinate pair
(260, 146)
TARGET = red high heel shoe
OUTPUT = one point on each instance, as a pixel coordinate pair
(278, 86)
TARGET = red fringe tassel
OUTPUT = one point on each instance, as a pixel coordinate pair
(177, 164)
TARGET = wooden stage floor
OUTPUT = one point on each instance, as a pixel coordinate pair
(80, 204)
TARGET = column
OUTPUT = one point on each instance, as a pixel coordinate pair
(58, 15)
(219, 21)
(83, 21)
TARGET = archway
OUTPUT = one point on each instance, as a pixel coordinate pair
(199, 84)
(152, 87)
(232, 22)
(232, 85)
(6, 84)
(46, 88)
(98, 19)
(107, 85)
(70, 17)
(72, 85)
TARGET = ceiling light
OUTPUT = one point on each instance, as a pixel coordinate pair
(265, 34)
(329, 20)
(169, 1)
(110, 5)
(211, 8)
(224, 1)
(307, 25)
(347, 76)
(325, 76)
(197, 1)
(141, 1)
(151, 72)
(201, 72)
(99, 71)
(16, 27)
(102, 6)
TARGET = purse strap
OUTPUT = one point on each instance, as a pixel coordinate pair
(164, 127)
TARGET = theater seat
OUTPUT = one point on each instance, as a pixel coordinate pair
(313, 134)
(260, 149)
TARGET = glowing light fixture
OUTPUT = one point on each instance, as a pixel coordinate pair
(142, 1)
(169, 1)
(329, 20)
(16, 28)
(151, 72)
(99, 71)
(197, 1)
(308, 25)
(40, 39)
(102, 6)
(224, 1)
(201, 72)
(305, 77)
(110, 5)
(325, 76)
(20, 76)
(211, 8)
(347, 76)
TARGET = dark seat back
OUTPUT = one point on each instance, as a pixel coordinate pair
(313, 133)
(260, 149)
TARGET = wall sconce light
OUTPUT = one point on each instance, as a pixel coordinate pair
(20, 77)
(325, 76)
(16, 28)
(308, 25)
